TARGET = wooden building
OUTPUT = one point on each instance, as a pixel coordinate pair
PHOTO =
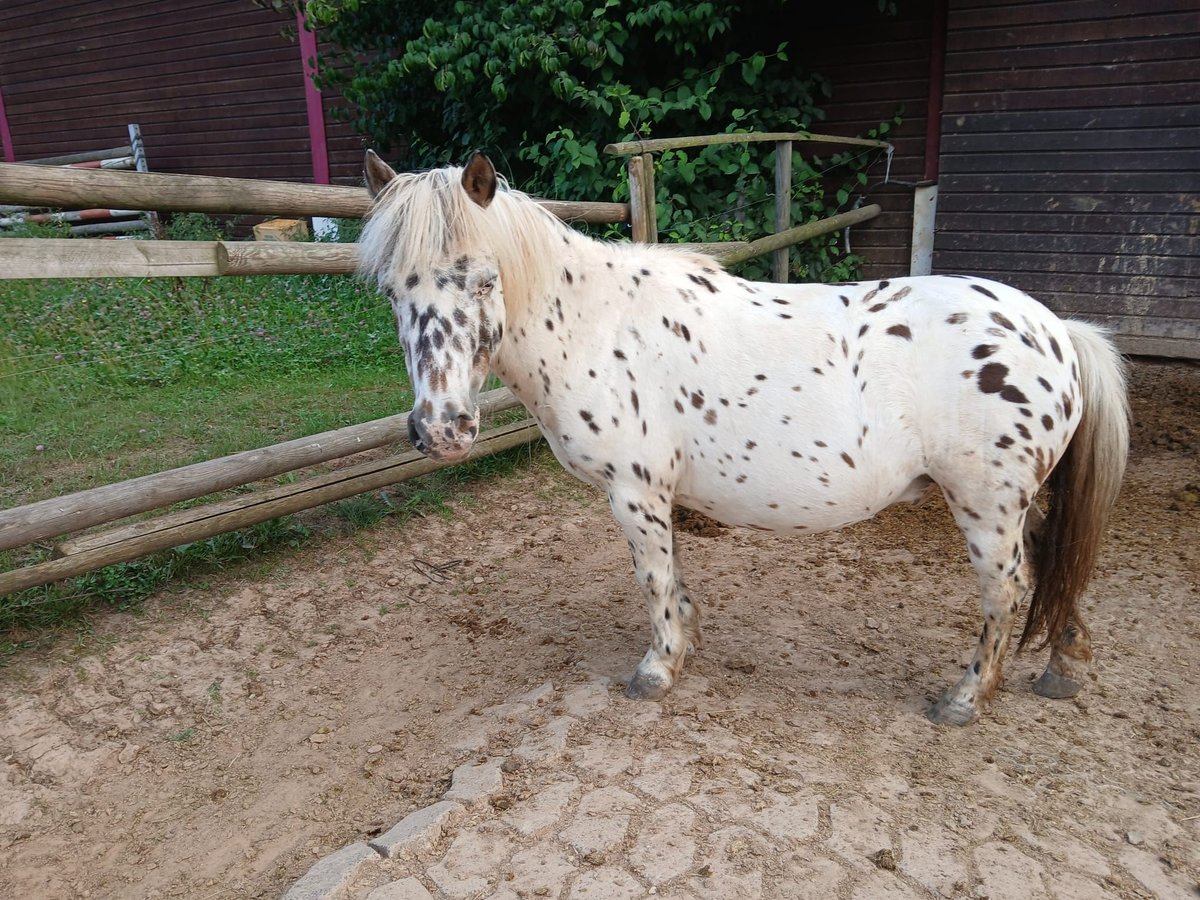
(217, 88)
(1062, 152)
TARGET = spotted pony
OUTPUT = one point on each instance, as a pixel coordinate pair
(663, 380)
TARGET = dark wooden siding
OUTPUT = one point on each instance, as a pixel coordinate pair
(217, 87)
(1070, 159)
(878, 65)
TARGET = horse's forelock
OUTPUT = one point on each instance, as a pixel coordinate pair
(421, 219)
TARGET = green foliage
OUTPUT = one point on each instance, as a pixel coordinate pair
(543, 85)
(196, 227)
(37, 230)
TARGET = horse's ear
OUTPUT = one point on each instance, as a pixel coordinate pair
(479, 179)
(378, 173)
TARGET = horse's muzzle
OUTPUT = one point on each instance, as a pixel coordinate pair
(444, 441)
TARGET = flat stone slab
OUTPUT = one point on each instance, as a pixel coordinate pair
(330, 876)
(473, 784)
(418, 831)
(405, 889)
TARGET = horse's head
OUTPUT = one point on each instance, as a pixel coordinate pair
(446, 295)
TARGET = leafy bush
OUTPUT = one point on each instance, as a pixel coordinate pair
(543, 85)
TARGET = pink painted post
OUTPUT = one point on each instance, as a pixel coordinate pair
(312, 100)
(6, 141)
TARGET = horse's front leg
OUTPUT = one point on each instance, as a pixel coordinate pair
(674, 620)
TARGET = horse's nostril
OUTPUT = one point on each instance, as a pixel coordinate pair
(466, 423)
(414, 436)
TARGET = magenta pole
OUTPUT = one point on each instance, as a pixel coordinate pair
(6, 142)
(312, 101)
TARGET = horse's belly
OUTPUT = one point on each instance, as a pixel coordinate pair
(783, 493)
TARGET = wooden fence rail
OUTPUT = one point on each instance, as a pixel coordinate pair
(76, 188)
(186, 526)
(83, 509)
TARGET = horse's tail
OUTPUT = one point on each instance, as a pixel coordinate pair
(1083, 488)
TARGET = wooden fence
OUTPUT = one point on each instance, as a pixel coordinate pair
(98, 187)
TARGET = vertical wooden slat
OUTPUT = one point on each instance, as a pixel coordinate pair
(650, 201)
(783, 207)
(637, 200)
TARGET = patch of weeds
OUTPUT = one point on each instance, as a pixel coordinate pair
(183, 736)
(214, 693)
(364, 509)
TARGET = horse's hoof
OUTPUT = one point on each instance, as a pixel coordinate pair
(1056, 687)
(952, 712)
(645, 686)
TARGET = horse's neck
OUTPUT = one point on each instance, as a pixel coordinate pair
(538, 316)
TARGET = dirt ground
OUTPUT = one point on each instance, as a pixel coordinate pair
(219, 743)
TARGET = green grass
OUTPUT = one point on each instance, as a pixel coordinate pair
(108, 379)
(103, 380)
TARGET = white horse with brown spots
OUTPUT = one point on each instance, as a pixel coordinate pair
(664, 380)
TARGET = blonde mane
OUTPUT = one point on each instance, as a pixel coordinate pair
(424, 220)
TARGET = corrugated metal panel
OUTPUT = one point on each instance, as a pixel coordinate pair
(1071, 160)
(217, 87)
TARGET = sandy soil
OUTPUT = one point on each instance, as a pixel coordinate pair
(216, 745)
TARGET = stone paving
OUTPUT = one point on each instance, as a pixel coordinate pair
(573, 792)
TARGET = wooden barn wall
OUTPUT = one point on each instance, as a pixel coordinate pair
(216, 87)
(1070, 161)
(878, 66)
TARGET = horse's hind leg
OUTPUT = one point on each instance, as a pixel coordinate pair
(674, 620)
(1071, 651)
(996, 553)
(1070, 654)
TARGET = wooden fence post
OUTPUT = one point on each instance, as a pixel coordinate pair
(638, 227)
(650, 201)
(783, 206)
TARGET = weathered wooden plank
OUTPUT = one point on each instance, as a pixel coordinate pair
(1028, 199)
(783, 207)
(639, 227)
(628, 148)
(86, 156)
(1067, 223)
(1103, 141)
(258, 507)
(66, 258)
(805, 232)
(713, 248)
(73, 188)
(1169, 347)
(1077, 263)
(1101, 53)
(1082, 121)
(1128, 27)
(83, 509)
(1125, 164)
(1051, 74)
(1063, 12)
(284, 258)
(1081, 242)
(1069, 98)
(1090, 303)
(63, 258)
(1043, 283)
(1080, 182)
